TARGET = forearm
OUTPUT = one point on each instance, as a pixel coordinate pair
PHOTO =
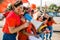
(26, 33)
(34, 31)
(17, 29)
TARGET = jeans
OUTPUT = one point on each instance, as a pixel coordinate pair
(51, 31)
(42, 36)
(9, 36)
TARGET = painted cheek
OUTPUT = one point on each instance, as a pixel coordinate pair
(22, 13)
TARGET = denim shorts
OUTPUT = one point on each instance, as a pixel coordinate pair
(9, 36)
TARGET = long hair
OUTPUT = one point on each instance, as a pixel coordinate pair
(18, 3)
(50, 18)
(38, 17)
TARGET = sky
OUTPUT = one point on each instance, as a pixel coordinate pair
(47, 2)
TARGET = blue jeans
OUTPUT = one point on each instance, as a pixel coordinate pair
(51, 31)
(42, 36)
(9, 36)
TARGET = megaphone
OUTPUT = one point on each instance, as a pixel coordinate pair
(36, 23)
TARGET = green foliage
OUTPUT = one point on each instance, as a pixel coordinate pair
(58, 9)
(53, 7)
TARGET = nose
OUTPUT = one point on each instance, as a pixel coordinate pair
(18, 8)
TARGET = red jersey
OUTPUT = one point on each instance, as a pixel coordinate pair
(6, 13)
(50, 23)
(12, 20)
(23, 36)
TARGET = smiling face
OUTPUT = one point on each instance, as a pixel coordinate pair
(40, 18)
(18, 10)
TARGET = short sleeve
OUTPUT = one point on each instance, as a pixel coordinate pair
(11, 22)
(53, 21)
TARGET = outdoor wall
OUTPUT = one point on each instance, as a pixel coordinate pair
(56, 26)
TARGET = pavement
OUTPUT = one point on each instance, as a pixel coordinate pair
(2, 23)
(1, 34)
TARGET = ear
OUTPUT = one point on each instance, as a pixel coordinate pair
(13, 7)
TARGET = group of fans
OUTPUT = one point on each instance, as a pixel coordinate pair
(17, 27)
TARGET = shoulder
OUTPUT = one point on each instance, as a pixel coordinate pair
(11, 14)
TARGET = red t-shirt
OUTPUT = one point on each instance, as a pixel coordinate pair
(6, 13)
(50, 23)
(12, 20)
(31, 29)
(23, 36)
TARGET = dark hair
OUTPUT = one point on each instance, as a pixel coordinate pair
(38, 17)
(44, 18)
(50, 18)
(18, 3)
(25, 8)
(32, 10)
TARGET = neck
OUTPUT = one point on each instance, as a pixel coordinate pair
(16, 12)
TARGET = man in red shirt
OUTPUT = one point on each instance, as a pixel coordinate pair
(12, 24)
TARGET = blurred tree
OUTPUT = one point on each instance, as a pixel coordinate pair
(58, 9)
(53, 7)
